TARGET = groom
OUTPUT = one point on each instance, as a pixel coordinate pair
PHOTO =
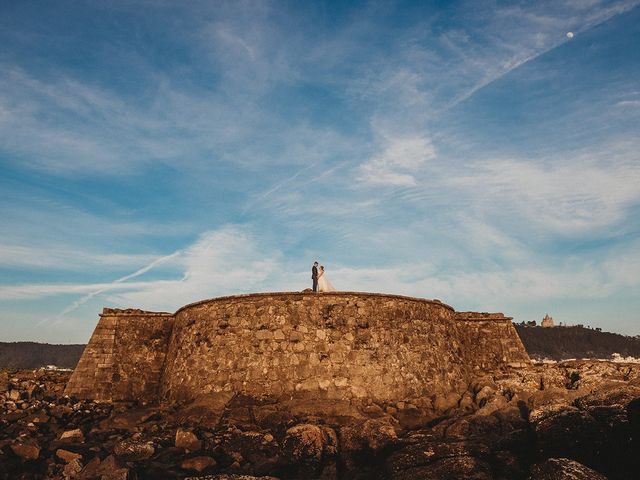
(314, 276)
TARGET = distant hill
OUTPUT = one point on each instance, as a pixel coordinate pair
(34, 355)
(560, 343)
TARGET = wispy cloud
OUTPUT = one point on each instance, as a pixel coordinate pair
(232, 260)
(563, 196)
(141, 271)
(223, 261)
(398, 162)
(629, 103)
(32, 291)
(60, 258)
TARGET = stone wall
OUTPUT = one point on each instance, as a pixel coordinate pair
(124, 358)
(92, 377)
(491, 341)
(338, 345)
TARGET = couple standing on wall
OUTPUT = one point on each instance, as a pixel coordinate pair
(320, 282)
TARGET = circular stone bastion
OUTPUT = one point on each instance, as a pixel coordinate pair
(336, 345)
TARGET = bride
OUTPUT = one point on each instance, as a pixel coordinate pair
(324, 285)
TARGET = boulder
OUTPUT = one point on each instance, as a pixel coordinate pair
(117, 474)
(452, 468)
(230, 476)
(563, 430)
(14, 395)
(72, 468)
(133, 450)
(198, 464)
(563, 469)
(25, 451)
(306, 446)
(443, 403)
(66, 456)
(610, 398)
(374, 434)
(92, 468)
(4, 380)
(260, 450)
(111, 469)
(75, 436)
(365, 440)
(429, 450)
(187, 440)
(304, 442)
(205, 410)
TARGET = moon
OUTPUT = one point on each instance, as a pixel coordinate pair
(569, 35)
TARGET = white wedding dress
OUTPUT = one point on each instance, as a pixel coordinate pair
(324, 285)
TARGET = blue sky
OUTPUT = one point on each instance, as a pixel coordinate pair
(156, 153)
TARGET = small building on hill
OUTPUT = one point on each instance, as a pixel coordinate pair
(547, 321)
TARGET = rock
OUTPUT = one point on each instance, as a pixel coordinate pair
(502, 429)
(110, 469)
(452, 468)
(374, 434)
(443, 402)
(492, 403)
(551, 396)
(508, 465)
(483, 394)
(305, 446)
(132, 450)
(198, 463)
(466, 402)
(304, 442)
(187, 440)
(4, 380)
(429, 450)
(72, 436)
(364, 440)
(411, 417)
(92, 468)
(117, 474)
(608, 399)
(373, 410)
(258, 449)
(588, 413)
(230, 476)
(66, 456)
(565, 431)
(72, 468)
(563, 469)
(25, 451)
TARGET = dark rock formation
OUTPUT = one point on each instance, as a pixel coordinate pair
(570, 420)
(563, 469)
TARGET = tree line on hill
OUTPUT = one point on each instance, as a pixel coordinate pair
(561, 343)
(29, 355)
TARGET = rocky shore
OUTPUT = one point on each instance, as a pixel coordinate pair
(572, 420)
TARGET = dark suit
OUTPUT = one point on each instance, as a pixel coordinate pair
(314, 277)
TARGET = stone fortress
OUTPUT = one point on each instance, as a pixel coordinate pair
(342, 346)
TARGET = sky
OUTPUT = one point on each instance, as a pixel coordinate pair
(156, 153)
